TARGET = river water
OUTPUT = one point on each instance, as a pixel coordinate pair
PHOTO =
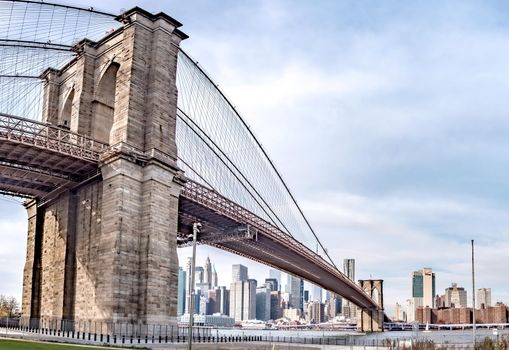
(442, 336)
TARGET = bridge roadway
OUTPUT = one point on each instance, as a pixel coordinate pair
(39, 160)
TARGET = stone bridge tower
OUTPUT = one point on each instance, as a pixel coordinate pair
(105, 249)
(372, 320)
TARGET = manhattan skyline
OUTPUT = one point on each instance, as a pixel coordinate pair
(388, 122)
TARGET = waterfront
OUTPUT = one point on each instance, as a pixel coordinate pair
(442, 336)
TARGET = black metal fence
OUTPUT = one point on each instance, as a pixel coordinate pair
(123, 333)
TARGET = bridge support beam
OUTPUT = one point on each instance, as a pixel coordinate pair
(372, 320)
(105, 251)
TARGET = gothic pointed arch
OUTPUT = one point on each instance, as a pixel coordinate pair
(104, 104)
(65, 115)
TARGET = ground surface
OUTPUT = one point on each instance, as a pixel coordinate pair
(28, 345)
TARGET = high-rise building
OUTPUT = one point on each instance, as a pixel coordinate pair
(398, 314)
(275, 305)
(349, 268)
(263, 303)
(423, 287)
(315, 312)
(348, 308)
(249, 300)
(188, 283)
(207, 273)
(198, 274)
(214, 278)
(275, 274)
(236, 294)
(272, 283)
(455, 297)
(222, 301)
(483, 300)
(239, 273)
(317, 293)
(243, 300)
(335, 305)
(181, 292)
(306, 296)
(296, 293)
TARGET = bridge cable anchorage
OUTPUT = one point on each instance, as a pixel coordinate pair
(235, 167)
(260, 147)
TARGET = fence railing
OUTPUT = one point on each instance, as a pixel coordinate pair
(47, 136)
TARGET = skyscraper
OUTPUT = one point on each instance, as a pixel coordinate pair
(239, 273)
(181, 292)
(423, 287)
(349, 271)
(214, 278)
(263, 303)
(272, 283)
(276, 274)
(455, 297)
(483, 299)
(243, 300)
(349, 268)
(296, 292)
(207, 273)
(317, 293)
(189, 261)
(223, 300)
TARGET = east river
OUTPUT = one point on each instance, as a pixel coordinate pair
(442, 336)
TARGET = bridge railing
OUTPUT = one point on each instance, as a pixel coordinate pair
(215, 201)
(47, 136)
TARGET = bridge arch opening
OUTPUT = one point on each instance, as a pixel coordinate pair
(375, 293)
(65, 116)
(104, 104)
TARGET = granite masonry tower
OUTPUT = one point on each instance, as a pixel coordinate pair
(105, 250)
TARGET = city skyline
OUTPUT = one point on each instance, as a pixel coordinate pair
(425, 173)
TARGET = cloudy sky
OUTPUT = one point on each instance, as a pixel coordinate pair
(388, 120)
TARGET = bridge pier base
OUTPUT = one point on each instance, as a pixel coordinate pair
(105, 250)
(372, 320)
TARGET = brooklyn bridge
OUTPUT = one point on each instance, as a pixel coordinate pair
(119, 143)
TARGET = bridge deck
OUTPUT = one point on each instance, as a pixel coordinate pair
(221, 217)
(37, 159)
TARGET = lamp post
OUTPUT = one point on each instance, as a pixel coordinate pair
(196, 230)
(473, 296)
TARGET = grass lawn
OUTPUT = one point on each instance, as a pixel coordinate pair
(27, 345)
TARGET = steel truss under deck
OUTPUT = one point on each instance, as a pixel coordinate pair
(37, 158)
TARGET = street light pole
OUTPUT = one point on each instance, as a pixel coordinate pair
(196, 230)
(473, 296)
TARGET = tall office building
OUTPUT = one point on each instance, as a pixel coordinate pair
(214, 277)
(222, 300)
(275, 305)
(335, 305)
(317, 293)
(296, 295)
(263, 303)
(249, 300)
(272, 283)
(189, 261)
(239, 273)
(275, 274)
(349, 268)
(455, 297)
(483, 300)
(199, 275)
(349, 309)
(423, 287)
(207, 273)
(181, 292)
(243, 300)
